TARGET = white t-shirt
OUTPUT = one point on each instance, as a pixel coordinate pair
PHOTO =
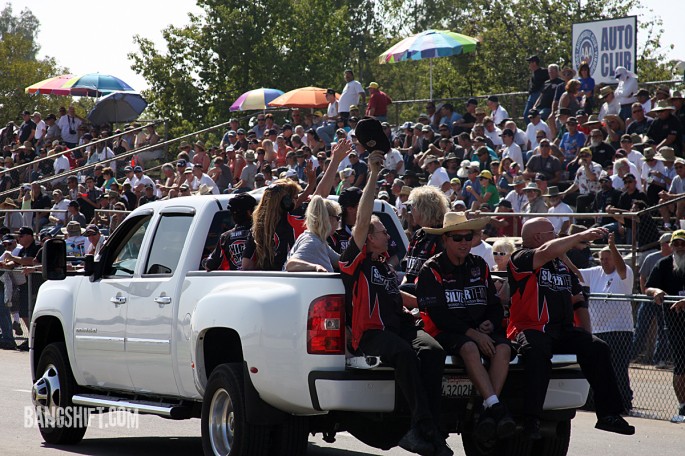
(557, 222)
(350, 96)
(438, 178)
(635, 158)
(208, 181)
(145, 180)
(532, 130)
(392, 159)
(67, 125)
(61, 206)
(499, 114)
(61, 164)
(513, 151)
(484, 250)
(40, 129)
(608, 315)
(677, 186)
(332, 111)
(494, 136)
(517, 201)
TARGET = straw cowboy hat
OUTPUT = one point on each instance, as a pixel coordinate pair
(620, 121)
(8, 202)
(457, 221)
(552, 192)
(73, 228)
(665, 154)
(663, 105)
(592, 120)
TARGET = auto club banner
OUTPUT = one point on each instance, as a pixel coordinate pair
(604, 45)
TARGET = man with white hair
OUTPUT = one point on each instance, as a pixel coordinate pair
(668, 278)
(612, 321)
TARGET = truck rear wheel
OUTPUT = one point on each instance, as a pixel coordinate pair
(557, 444)
(225, 429)
(59, 420)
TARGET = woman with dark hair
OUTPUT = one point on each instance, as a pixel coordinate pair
(587, 88)
(228, 253)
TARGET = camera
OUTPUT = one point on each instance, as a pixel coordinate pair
(72, 131)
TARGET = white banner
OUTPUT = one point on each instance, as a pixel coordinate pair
(604, 45)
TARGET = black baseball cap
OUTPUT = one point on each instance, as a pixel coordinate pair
(350, 197)
(533, 58)
(25, 230)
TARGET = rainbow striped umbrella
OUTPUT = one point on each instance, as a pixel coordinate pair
(93, 85)
(428, 45)
(47, 86)
(255, 99)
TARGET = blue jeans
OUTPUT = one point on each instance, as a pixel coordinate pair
(544, 113)
(326, 132)
(532, 98)
(645, 314)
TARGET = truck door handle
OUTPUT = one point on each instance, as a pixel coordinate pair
(163, 300)
(118, 300)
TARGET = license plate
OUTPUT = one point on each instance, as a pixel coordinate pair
(456, 387)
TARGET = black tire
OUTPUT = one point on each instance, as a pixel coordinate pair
(290, 438)
(51, 394)
(556, 445)
(518, 445)
(225, 429)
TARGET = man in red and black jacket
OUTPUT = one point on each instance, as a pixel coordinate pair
(544, 294)
(381, 325)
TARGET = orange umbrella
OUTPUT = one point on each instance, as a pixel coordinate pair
(305, 97)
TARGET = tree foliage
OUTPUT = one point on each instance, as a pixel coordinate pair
(235, 46)
(18, 50)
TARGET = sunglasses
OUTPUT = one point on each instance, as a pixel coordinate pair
(678, 243)
(337, 217)
(461, 237)
(499, 253)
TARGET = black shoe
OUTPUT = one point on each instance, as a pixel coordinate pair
(415, 443)
(8, 345)
(681, 410)
(506, 426)
(24, 346)
(531, 429)
(16, 326)
(485, 429)
(614, 423)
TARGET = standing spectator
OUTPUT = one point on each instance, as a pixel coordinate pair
(350, 95)
(541, 321)
(27, 130)
(41, 129)
(537, 81)
(378, 103)
(548, 92)
(612, 321)
(668, 278)
(626, 91)
(498, 113)
(648, 311)
(666, 130)
(327, 130)
(587, 88)
(52, 130)
(69, 123)
(611, 104)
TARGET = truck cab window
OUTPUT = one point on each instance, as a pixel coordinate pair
(125, 255)
(167, 244)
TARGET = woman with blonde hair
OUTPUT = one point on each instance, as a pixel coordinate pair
(502, 250)
(274, 227)
(311, 251)
(269, 152)
(428, 208)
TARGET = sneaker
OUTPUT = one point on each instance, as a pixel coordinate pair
(506, 426)
(614, 423)
(531, 429)
(24, 346)
(16, 326)
(414, 443)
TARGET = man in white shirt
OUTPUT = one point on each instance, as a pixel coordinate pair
(482, 249)
(202, 178)
(626, 91)
(611, 105)
(492, 132)
(394, 161)
(612, 321)
(40, 129)
(350, 95)
(557, 206)
(57, 218)
(438, 174)
(534, 127)
(498, 113)
(510, 148)
(68, 125)
(139, 179)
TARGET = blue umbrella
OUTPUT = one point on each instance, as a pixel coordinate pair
(117, 107)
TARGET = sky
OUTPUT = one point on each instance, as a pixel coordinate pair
(90, 36)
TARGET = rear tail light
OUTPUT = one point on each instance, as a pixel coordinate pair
(326, 326)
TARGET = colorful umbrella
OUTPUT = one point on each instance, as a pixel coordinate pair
(428, 45)
(117, 107)
(46, 86)
(93, 85)
(305, 97)
(255, 99)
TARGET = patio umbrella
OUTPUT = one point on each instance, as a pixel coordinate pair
(427, 45)
(117, 107)
(46, 86)
(255, 99)
(304, 97)
(93, 85)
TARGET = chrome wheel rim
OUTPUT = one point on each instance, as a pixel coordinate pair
(46, 393)
(221, 423)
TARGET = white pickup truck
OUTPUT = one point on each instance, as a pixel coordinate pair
(260, 357)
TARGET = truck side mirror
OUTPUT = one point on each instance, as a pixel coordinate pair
(89, 265)
(54, 259)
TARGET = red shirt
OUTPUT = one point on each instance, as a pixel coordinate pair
(379, 102)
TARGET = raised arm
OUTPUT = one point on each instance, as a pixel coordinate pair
(365, 208)
(556, 248)
(338, 154)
